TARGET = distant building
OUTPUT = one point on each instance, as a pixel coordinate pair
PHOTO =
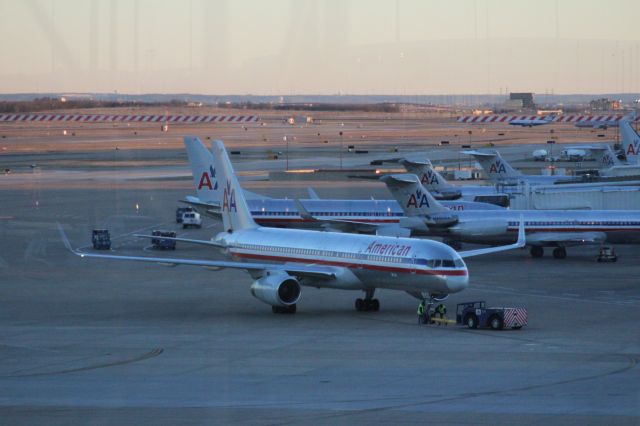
(604, 104)
(525, 97)
(511, 105)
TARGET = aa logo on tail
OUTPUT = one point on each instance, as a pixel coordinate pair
(208, 179)
(429, 178)
(418, 200)
(634, 148)
(607, 160)
(229, 199)
(497, 167)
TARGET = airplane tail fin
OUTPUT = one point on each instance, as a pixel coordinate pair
(494, 165)
(235, 212)
(429, 177)
(203, 171)
(414, 199)
(630, 141)
(604, 156)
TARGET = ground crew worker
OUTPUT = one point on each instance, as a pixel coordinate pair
(421, 313)
(441, 310)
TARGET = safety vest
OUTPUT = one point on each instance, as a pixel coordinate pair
(420, 309)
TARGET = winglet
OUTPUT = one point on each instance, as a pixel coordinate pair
(312, 193)
(65, 240)
(522, 239)
(304, 213)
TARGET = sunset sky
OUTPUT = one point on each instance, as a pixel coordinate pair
(279, 47)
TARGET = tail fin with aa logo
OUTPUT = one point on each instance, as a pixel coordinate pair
(414, 199)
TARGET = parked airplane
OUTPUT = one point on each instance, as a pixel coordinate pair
(282, 260)
(530, 122)
(630, 142)
(437, 184)
(551, 228)
(370, 216)
(499, 171)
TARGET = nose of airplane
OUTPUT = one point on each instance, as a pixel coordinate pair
(456, 283)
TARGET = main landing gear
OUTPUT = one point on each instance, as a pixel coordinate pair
(368, 303)
(558, 252)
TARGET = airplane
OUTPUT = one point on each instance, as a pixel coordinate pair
(281, 261)
(438, 185)
(550, 228)
(530, 122)
(370, 216)
(499, 171)
(630, 142)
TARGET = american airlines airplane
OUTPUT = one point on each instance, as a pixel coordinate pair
(630, 142)
(280, 261)
(436, 184)
(499, 171)
(551, 228)
(382, 217)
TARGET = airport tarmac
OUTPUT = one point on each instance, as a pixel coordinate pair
(92, 341)
(107, 342)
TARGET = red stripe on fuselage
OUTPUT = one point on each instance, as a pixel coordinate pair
(450, 272)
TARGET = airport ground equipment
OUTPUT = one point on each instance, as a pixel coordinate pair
(607, 254)
(191, 219)
(163, 243)
(180, 211)
(101, 239)
(476, 314)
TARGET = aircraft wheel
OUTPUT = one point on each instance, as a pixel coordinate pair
(359, 305)
(375, 305)
(537, 251)
(559, 252)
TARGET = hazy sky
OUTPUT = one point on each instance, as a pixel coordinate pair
(280, 47)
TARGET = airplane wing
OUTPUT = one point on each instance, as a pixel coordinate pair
(518, 244)
(209, 209)
(567, 238)
(310, 270)
(184, 240)
(195, 201)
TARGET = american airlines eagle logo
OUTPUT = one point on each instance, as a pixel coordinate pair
(229, 199)
(634, 147)
(429, 178)
(497, 167)
(418, 200)
(208, 179)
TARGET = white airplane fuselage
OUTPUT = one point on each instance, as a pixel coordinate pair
(284, 213)
(622, 227)
(360, 261)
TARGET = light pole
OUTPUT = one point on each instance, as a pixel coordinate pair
(341, 145)
(286, 139)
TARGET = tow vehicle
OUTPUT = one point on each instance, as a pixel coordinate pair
(476, 314)
(101, 239)
(163, 243)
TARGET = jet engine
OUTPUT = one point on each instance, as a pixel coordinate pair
(480, 228)
(277, 289)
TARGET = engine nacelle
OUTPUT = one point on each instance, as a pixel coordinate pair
(277, 289)
(480, 228)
